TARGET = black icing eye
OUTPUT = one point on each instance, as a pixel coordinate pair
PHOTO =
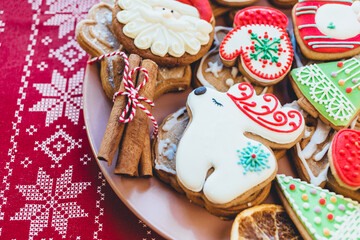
(172, 11)
(200, 91)
(164, 9)
(217, 103)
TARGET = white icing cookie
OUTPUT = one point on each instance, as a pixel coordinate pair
(214, 139)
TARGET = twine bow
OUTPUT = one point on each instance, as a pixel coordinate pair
(131, 92)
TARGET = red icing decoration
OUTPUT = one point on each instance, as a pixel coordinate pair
(347, 171)
(261, 15)
(305, 19)
(202, 6)
(330, 216)
(292, 120)
(292, 187)
(245, 55)
(340, 64)
(322, 201)
(253, 155)
(348, 89)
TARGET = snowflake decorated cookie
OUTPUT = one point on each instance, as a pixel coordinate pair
(327, 30)
(217, 141)
(331, 90)
(318, 213)
(211, 72)
(169, 32)
(259, 44)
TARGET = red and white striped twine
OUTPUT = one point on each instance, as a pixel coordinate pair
(131, 92)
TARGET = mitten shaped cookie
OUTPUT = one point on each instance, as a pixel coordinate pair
(224, 153)
(329, 91)
(211, 72)
(168, 32)
(327, 30)
(259, 45)
(317, 213)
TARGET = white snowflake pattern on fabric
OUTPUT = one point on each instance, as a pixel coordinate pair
(51, 208)
(66, 13)
(69, 54)
(2, 24)
(59, 93)
(58, 145)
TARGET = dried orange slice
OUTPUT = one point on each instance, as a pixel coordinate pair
(264, 222)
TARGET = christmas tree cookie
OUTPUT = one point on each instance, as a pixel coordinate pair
(318, 213)
(332, 91)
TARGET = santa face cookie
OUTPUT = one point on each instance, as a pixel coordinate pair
(317, 213)
(211, 72)
(218, 138)
(261, 46)
(330, 91)
(168, 32)
(95, 36)
(327, 30)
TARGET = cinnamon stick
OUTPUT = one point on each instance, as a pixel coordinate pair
(132, 144)
(114, 129)
(145, 166)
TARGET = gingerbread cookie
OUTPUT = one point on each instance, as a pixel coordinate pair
(165, 146)
(239, 164)
(318, 213)
(95, 36)
(345, 163)
(310, 154)
(210, 71)
(284, 3)
(169, 32)
(260, 46)
(235, 3)
(330, 91)
(327, 30)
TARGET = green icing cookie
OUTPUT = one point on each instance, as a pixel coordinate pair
(332, 88)
(324, 214)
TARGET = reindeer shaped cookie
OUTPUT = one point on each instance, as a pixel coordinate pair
(229, 133)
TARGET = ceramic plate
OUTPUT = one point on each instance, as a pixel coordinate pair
(160, 207)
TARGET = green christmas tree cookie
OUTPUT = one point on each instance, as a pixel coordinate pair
(324, 214)
(332, 88)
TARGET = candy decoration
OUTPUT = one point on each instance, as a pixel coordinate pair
(330, 90)
(343, 222)
(344, 157)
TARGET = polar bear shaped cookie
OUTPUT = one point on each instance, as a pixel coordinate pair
(224, 153)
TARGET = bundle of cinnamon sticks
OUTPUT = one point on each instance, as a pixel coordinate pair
(132, 139)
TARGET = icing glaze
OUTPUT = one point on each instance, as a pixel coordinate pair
(345, 149)
(264, 50)
(328, 87)
(166, 148)
(328, 26)
(321, 133)
(260, 15)
(166, 27)
(329, 216)
(206, 143)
